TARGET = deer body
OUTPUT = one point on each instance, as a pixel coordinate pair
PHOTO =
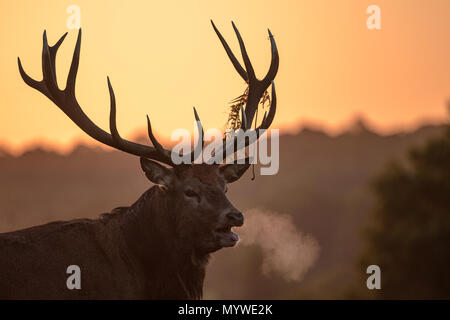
(130, 253)
(157, 248)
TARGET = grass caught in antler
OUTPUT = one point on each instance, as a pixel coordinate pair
(234, 117)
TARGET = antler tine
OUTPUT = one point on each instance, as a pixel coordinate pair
(48, 68)
(198, 147)
(38, 85)
(244, 119)
(55, 47)
(52, 50)
(263, 122)
(268, 117)
(201, 139)
(273, 108)
(153, 139)
(274, 63)
(230, 54)
(72, 76)
(112, 115)
(248, 65)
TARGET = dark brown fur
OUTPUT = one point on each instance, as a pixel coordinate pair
(153, 249)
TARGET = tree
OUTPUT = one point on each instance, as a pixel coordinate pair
(409, 237)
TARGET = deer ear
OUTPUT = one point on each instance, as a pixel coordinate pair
(157, 173)
(232, 172)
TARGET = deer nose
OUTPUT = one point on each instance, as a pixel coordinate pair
(236, 217)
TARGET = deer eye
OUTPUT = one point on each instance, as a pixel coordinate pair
(191, 194)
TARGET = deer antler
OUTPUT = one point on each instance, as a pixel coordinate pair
(256, 87)
(67, 102)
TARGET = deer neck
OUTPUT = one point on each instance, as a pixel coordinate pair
(149, 228)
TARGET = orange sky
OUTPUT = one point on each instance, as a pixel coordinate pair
(163, 57)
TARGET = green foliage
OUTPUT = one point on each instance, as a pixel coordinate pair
(410, 233)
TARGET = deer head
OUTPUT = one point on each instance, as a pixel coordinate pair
(202, 215)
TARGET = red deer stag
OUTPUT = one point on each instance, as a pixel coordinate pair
(158, 247)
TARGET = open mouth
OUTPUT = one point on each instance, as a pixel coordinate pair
(227, 237)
